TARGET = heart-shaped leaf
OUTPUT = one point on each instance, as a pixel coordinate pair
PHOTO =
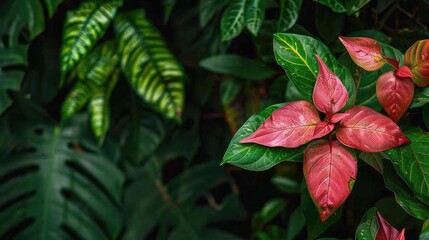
(290, 126)
(369, 131)
(330, 171)
(296, 54)
(329, 94)
(417, 58)
(387, 232)
(395, 94)
(254, 156)
(365, 52)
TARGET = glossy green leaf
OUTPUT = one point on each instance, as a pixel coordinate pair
(349, 6)
(148, 64)
(375, 160)
(233, 20)
(411, 164)
(312, 220)
(289, 10)
(67, 181)
(208, 9)
(424, 235)
(403, 194)
(285, 184)
(83, 28)
(368, 226)
(297, 55)
(237, 66)
(255, 15)
(421, 97)
(252, 156)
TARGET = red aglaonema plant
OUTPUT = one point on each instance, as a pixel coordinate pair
(387, 232)
(330, 167)
(394, 89)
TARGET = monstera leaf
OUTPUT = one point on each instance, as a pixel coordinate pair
(148, 64)
(56, 184)
(83, 28)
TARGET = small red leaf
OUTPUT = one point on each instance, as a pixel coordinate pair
(329, 94)
(404, 71)
(322, 129)
(338, 117)
(387, 232)
(289, 126)
(369, 131)
(417, 58)
(365, 52)
(394, 94)
(330, 171)
(392, 62)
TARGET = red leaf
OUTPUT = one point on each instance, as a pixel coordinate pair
(394, 94)
(322, 129)
(369, 131)
(404, 71)
(387, 232)
(329, 94)
(338, 117)
(365, 52)
(330, 171)
(289, 126)
(417, 58)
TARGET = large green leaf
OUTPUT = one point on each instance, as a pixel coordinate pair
(255, 157)
(255, 15)
(148, 64)
(297, 55)
(237, 66)
(289, 10)
(57, 184)
(233, 22)
(403, 194)
(368, 226)
(83, 28)
(411, 163)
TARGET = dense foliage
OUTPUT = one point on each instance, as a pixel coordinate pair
(116, 115)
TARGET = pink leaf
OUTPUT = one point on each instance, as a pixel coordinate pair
(330, 171)
(329, 94)
(365, 52)
(387, 232)
(338, 117)
(417, 58)
(404, 71)
(369, 131)
(394, 94)
(322, 129)
(289, 126)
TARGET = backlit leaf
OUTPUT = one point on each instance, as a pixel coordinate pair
(290, 126)
(232, 23)
(252, 156)
(365, 52)
(394, 94)
(417, 58)
(369, 131)
(330, 171)
(255, 15)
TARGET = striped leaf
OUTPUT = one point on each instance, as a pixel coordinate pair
(289, 10)
(232, 23)
(149, 66)
(77, 98)
(83, 28)
(255, 15)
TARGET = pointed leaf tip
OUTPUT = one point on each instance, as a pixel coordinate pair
(328, 169)
(329, 93)
(289, 126)
(404, 72)
(387, 232)
(365, 52)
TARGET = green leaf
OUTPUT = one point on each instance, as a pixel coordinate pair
(335, 5)
(289, 10)
(52, 5)
(368, 226)
(403, 194)
(353, 6)
(410, 161)
(424, 235)
(296, 54)
(77, 98)
(296, 224)
(208, 9)
(67, 186)
(375, 160)
(426, 115)
(254, 157)
(285, 184)
(312, 219)
(232, 23)
(229, 89)
(168, 8)
(237, 66)
(148, 64)
(421, 97)
(99, 115)
(255, 15)
(82, 30)
(272, 209)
